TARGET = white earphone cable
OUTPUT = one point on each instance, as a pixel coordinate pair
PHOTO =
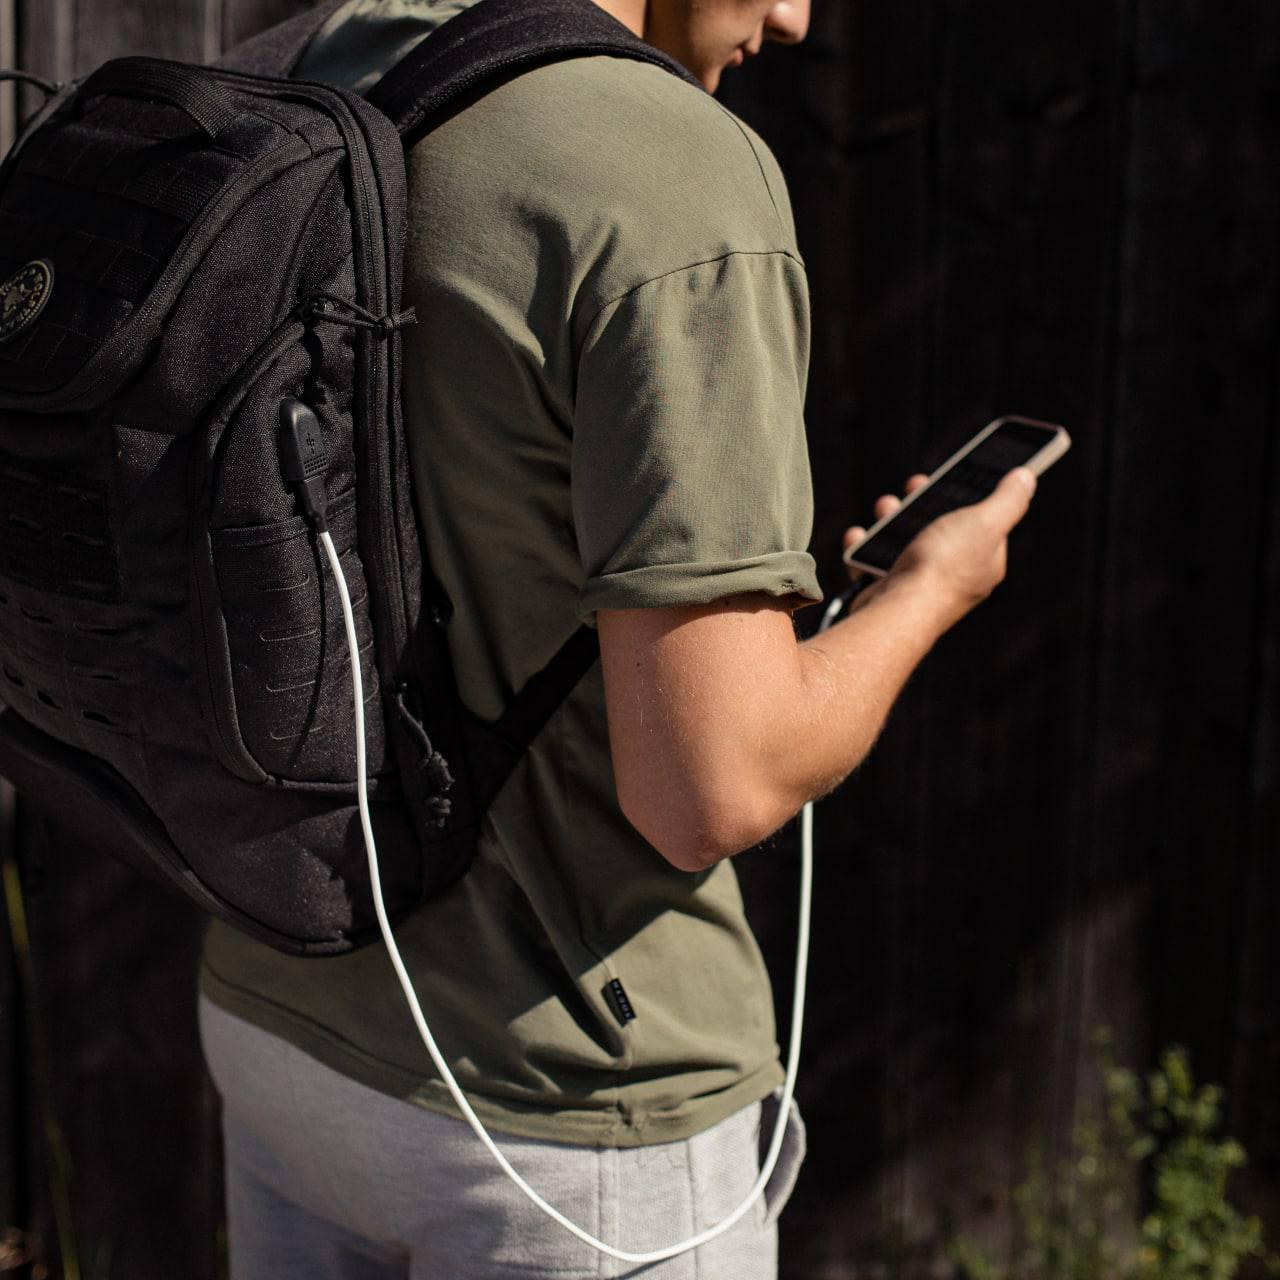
(797, 1017)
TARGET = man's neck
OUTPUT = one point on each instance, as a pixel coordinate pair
(629, 12)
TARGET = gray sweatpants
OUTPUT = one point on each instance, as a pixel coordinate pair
(329, 1180)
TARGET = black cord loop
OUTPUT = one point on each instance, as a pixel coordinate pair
(47, 87)
(431, 762)
(334, 310)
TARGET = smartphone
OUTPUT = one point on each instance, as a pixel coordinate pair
(966, 477)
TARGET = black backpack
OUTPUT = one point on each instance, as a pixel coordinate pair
(200, 267)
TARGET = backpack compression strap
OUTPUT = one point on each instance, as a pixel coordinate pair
(496, 40)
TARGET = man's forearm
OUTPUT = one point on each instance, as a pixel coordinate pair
(777, 722)
(846, 680)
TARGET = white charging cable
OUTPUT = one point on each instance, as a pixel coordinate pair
(797, 1017)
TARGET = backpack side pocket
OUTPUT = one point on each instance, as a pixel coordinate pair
(290, 682)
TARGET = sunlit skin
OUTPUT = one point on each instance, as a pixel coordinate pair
(708, 36)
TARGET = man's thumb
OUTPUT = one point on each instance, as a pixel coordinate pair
(1012, 496)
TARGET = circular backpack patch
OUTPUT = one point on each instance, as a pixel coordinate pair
(23, 295)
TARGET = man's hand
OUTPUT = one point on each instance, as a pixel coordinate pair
(963, 554)
(721, 725)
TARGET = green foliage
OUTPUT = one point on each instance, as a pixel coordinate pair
(1084, 1225)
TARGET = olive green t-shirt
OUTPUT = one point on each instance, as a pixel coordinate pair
(604, 403)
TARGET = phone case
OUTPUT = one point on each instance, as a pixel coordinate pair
(1038, 463)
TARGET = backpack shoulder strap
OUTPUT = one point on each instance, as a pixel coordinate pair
(496, 40)
(274, 52)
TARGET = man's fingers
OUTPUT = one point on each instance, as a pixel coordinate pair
(885, 505)
(1005, 507)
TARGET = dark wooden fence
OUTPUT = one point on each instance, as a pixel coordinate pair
(1073, 816)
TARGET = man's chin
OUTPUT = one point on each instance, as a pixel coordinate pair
(711, 78)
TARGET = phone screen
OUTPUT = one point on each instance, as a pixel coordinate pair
(973, 478)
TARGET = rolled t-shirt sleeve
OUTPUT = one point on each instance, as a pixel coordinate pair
(690, 471)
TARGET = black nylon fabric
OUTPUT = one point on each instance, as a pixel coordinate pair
(173, 660)
(107, 205)
(174, 675)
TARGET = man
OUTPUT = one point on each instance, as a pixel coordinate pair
(604, 404)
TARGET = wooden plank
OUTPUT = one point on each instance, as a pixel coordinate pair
(1008, 877)
(62, 38)
(186, 31)
(117, 956)
(37, 1218)
(8, 58)
(13, 1188)
(892, 223)
(1254, 1109)
(46, 37)
(1198, 399)
(1254, 1106)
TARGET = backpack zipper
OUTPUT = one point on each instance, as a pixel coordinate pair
(368, 217)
